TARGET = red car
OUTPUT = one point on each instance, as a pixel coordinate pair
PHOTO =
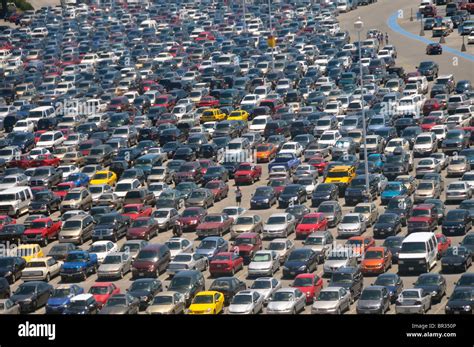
(208, 101)
(45, 160)
(24, 162)
(165, 100)
(205, 36)
(215, 224)
(5, 220)
(278, 184)
(205, 164)
(319, 163)
(431, 105)
(226, 263)
(42, 230)
(246, 244)
(359, 244)
(247, 173)
(191, 218)
(311, 223)
(103, 291)
(143, 228)
(429, 122)
(310, 285)
(219, 189)
(148, 85)
(443, 244)
(135, 211)
(63, 188)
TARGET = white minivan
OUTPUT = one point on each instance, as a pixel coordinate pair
(15, 201)
(419, 253)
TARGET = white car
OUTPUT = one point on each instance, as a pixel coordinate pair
(178, 245)
(68, 170)
(250, 99)
(293, 148)
(395, 143)
(264, 263)
(102, 249)
(234, 211)
(50, 139)
(41, 269)
(35, 152)
(259, 123)
(24, 125)
(329, 138)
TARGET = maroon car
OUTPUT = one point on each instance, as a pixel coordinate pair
(246, 244)
(215, 224)
(189, 172)
(143, 228)
(191, 218)
(219, 189)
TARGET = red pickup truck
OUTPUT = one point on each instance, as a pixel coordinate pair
(423, 218)
(42, 230)
(247, 173)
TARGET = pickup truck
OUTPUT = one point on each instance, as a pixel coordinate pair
(247, 173)
(424, 218)
(288, 160)
(42, 230)
(78, 264)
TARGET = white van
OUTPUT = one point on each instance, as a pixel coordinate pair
(419, 253)
(41, 112)
(147, 24)
(259, 123)
(15, 201)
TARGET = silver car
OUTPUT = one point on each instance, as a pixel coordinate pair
(427, 165)
(7, 306)
(279, 225)
(264, 263)
(427, 189)
(247, 302)
(338, 258)
(332, 300)
(165, 217)
(321, 242)
(413, 301)
(283, 247)
(458, 191)
(178, 245)
(115, 265)
(458, 166)
(266, 286)
(374, 299)
(133, 247)
(187, 261)
(287, 301)
(352, 224)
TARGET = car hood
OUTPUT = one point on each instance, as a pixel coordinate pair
(71, 265)
(368, 303)
(240, 308)
(325, 304)
(274, 227)
(243, 228)
(110, 267)
(261, 265)
(383, 225)
(294, 264)
(160, 308)
(114, 310)
(58, 301)
(335, 263)
(34, 231)
(136, 231)
(139, 293)
(280, 305)
(195, 201)
(349, 225)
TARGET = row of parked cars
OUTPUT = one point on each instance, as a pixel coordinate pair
(123, 124)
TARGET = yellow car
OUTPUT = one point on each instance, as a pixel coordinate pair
(29, 252)
(103, 177)
(239, 115)
(207, 302)
(212, 115)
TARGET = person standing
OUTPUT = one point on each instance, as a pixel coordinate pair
(386, 38)
(238, 196)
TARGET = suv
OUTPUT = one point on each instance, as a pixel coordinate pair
(77, 199)
(139, 196)
(341, 176)
(349, 278)
(77, 229)
(424, 217)
(151, 261)
(356, 192)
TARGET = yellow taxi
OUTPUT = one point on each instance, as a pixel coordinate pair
(212, 115)
(103, 177)
(29, 252)
(207, 302)
(239, 115)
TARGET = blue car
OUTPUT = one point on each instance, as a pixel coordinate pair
(378, 159)
(212, 245)
(59, 300)
(392, 189)
(392, 282)
(264, 197)
(79, 179)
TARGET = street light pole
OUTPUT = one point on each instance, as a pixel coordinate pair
(422, 30)
(244, 14)
(271, 32)
(358, 26)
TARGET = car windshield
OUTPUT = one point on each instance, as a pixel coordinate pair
(283, 296)
(242, 299)
(369, 294)
(112, 302)
(410, 294)
(112, 259)
(350, 219)
(385, 281)
(413, 247)
(456, 186)
(462, 295)
(426, 186)
(61, 292)
(25, 290)
(276, 220)
(427, 280)
(262, 257)
(298, 256)
(163, 300)
(245, 241)
(373, 255)
(203, 299)
(213, 219)
(208, 244)
(221, 257)
(328, 296)
(456, 251)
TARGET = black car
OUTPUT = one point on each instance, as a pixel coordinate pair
(457, 222)
(394, 244)
(185, 153)
(468, 242)
(455, 141)
(4, 288)
(145, 289)
(44, 202)
(324, 192)
(263, 197)
(208, 151)
(87, 306)
(357, 192)
(388, 224)
(118, 167)
(291, 195)
(349, 278)
(429, 69)
(461, 301)
(59, 251)
(11, 268)
(393, 283)
(456, 258)
(24, 141)
(298, 211)
(434, 48)
(432, 283)
(32, 295)
(134, 173)
(112, 226)
(301, 260)
(12, 233)
(229, 286)
(466, 280)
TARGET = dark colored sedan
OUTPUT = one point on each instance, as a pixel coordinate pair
(145, 289)
(264, 197)
(302, 260)
(432, 283)
(461, 301)
(32, 295)
(394, 244)
(229, 286)
(388, 224)
(393, 283)
(456, 258)
(324, 192)
(434, 48)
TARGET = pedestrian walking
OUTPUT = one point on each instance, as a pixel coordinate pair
(386, 38)
(238, 196)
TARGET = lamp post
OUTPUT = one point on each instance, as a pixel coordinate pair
(359, 26)
(244, 14)
(422, 30)
(271, 32)
(463, 47)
